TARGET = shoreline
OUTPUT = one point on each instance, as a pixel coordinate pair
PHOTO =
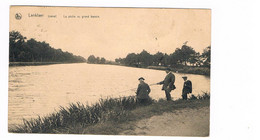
(13, 64)
(186, 70)
(111, 116)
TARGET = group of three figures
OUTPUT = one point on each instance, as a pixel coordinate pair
(143, 89)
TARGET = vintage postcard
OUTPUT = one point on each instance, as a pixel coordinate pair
(109, 71)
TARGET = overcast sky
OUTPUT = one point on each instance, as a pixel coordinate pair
(117, 31)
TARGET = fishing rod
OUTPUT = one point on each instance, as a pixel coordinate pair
(134, 88)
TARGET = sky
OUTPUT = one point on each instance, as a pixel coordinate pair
(114, 32)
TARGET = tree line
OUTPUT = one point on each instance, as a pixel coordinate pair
(184, 56)
(23, 50)
(96, 60)
(99, 60)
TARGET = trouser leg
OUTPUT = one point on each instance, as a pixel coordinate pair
(184, 96)
(168, 95)
(139, 100)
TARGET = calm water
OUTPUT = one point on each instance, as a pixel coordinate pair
(40, 90)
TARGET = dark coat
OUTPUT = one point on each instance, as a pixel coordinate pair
(168, 82)
(143, 91)
(187, 87)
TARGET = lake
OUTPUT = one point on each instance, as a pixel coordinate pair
(41, 90)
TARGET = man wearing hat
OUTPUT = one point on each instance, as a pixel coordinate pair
(187, 87)
(168, 83)
(143, 91)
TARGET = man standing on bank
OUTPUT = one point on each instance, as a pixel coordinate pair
(143, 90)
(168, 84)
(187, 88)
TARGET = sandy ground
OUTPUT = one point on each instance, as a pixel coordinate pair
(185, 122)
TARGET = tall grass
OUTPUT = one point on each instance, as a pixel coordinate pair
(76, 114)
(79, 114)
(203, 96)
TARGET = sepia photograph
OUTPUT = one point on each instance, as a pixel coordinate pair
(109, 71)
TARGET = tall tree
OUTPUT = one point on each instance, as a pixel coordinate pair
(195, 59)
(206, 56)
(102, 60)
(184, 54)
(132, 59)
(21, 50)
(187, 53)
(16, 44)
(91, 59)
(120, 60)
(145, 58)
(158, 59)
(173, 60)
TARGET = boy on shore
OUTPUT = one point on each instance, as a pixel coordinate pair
(187, 88)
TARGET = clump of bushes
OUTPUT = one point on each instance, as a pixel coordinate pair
(204, 96)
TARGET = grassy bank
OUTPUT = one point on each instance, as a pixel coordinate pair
(185, 69)
(109, 116)
(181, 69)
(33, 63)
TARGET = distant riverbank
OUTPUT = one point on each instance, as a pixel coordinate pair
(188, 70)
(38, 63)
(184, 69)
(113, 116)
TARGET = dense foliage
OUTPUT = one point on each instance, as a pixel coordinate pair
(184, 56)
(31, 50)
(96, 60)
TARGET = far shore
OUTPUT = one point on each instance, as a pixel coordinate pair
(185, 69)
(188, 70)
(38, 63)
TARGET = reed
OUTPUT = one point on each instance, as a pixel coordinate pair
(78, 115)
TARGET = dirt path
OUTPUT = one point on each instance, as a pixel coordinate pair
(185, 122)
